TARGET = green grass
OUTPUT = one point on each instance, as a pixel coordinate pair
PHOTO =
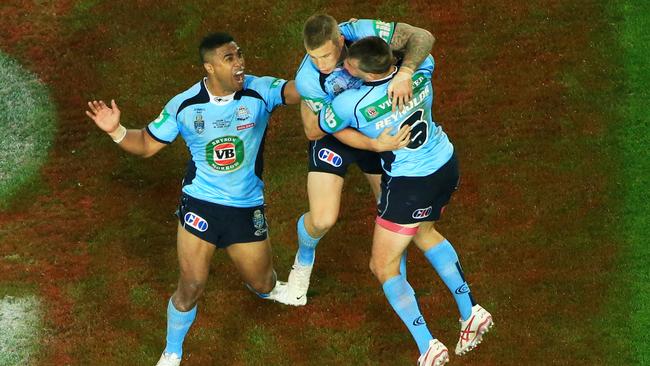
(20, 321)
(632, 295)
(27, 125)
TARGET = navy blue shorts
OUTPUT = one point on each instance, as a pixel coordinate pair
(330, 155)
(407, 200)
(222, 225)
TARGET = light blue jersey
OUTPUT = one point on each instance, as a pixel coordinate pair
(318, 89)
(368, 110)
(225, 139)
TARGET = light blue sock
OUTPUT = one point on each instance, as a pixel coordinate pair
(306, 244)
(178, 323)
(401, 297)
(444, 259)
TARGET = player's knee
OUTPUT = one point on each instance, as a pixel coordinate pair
(261, 286)
(189, 291)
(322, 222)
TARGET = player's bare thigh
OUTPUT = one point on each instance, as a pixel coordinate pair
(194, 258)
(387, 249)
(324, 191)
(254, 262)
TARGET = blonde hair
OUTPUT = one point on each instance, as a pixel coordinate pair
(319, 29)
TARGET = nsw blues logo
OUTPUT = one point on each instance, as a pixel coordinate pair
(330, 157)
(421, 213)
(196, 221)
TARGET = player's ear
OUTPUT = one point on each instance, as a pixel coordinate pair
(208, 68)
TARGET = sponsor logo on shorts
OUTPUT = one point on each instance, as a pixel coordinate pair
(419, 321)
(259, 222)
(462, 289)
(225, 153)
(330, 157)
(196, 221)
(421, 213)
(243, 127)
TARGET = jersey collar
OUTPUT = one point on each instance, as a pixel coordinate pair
(218, 100)
(382, 81)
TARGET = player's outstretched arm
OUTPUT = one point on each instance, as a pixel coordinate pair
(290, 93)
(107, 118)
(384, 142)
(416, 45)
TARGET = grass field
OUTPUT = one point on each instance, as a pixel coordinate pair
(28, 124)
(545, 102)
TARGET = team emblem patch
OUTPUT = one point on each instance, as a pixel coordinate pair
(242, 113)
(421, 213)
(330, 157)
(225, 153)
(199, 124)
(259, 222)
(196, 221)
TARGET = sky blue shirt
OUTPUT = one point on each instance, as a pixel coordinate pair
(368, 110)
(225, 139)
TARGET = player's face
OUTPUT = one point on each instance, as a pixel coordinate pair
(226, 64)
(327, 56)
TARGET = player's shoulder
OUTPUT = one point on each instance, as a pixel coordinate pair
(307, 70)
(192, 92)
(308, 79)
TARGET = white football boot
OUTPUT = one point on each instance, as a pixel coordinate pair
(436, 355)
(169, 359)
(472, 329)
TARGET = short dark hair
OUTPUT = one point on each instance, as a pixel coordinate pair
(319, 29)
(213, 41)
(373, 53)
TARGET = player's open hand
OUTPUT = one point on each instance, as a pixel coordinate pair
(105, 117)
(400, 89)
(387, 142)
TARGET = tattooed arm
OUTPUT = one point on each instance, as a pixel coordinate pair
(415, 44)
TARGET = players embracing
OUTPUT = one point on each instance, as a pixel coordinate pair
(417, 183)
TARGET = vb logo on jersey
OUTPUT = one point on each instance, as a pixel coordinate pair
(421, 213)
(196, 221)
(225, 153)
(330, 157)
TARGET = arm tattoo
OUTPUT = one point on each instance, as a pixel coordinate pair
(414, 43)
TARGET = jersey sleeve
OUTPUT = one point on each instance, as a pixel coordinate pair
(337, 115)
(308, 86)
(165, 128)
(357, 29)
(271, 89)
